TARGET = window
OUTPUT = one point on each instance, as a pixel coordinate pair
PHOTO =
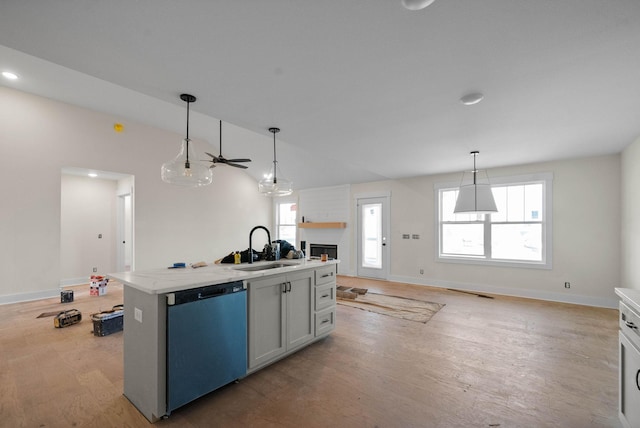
(517, 235)
(286, 215)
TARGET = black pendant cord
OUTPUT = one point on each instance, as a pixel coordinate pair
(187, 164)
(220, 139)
(475, 170)
(275, 162)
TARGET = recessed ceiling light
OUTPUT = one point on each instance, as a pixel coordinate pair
(471, 99)
(93, 175)
(416, 4)
(9, 75)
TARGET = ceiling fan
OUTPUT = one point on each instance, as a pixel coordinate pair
(221, 159)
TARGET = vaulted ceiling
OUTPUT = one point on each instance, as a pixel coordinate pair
(363, 90)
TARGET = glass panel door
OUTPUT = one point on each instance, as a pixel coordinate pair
(372, 237)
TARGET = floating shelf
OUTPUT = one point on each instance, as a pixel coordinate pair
(323, 225)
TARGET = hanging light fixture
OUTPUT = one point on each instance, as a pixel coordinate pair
(185, 169)
(273, 184)
(475, 197)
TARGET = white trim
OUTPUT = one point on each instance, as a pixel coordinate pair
(27, 297)
(601, 302)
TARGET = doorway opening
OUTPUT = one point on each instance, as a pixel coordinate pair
(96, 224)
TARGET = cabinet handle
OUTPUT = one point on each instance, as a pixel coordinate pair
(289, 286)
(284, 287)
(326, 321)
(637, 375)
(326, 275)
(325, 295)
(631, 325)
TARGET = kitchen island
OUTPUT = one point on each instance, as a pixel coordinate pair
(289, 305)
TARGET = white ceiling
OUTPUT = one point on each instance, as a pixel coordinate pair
(362, 89)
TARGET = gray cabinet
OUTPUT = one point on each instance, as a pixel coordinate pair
(281, 316)
(325, 304)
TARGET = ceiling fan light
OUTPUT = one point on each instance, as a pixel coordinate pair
(416, 4)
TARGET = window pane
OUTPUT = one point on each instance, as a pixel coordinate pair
(463, 239)
(500, 196)
(448, 204)
(516, 242)
(287, 213)
(288, 233)
(515, 203)
(372, 236)
(533, 202)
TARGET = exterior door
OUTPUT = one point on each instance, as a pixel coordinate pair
(373, 245)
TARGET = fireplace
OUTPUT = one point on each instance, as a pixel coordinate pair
(315, 250)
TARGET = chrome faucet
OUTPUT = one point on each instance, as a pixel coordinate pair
(250, 240)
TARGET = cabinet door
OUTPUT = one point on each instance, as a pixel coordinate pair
(267, 320)
(629, 382)
(300, 306)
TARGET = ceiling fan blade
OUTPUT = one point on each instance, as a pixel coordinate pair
(238, 160)
(236, 165)
(207, 153)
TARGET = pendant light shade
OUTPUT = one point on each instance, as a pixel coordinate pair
(274, 184)
(475, 197)
(186, 169)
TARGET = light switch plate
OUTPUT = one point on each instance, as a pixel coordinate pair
(137, 314)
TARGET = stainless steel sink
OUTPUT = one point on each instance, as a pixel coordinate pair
(264, 267)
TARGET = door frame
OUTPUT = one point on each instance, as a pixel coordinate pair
(386, 227)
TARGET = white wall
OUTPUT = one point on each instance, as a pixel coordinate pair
(586, 235)
(39, 137)
(328, 204)
(88, 210)
(630, 234)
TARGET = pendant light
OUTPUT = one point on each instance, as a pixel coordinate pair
(273, 184)
(475, 197)
(185, 169)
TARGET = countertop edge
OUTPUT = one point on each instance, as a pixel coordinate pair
(162, 281)
(630, 296)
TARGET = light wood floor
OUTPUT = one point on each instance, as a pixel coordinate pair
(502, 362)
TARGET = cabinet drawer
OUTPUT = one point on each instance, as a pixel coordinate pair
(325, 296)
(629, 382)
(326, 275)
(325, 321)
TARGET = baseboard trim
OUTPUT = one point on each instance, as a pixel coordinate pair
(74, 281)
(27, 297)
(576, 299)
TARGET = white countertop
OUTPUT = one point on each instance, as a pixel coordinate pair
(630, 296)
(160, 281)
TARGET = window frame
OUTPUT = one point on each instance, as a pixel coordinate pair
(547, 224)
(276, 216)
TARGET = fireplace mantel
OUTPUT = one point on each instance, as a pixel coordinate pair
(323, 225)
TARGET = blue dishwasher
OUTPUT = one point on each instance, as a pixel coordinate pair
(206, 341)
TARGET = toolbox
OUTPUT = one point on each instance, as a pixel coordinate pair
(108, 322)
(66, 296)
(67, 318)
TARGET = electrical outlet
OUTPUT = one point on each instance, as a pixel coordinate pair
(95, 269)
(99, 235)
(567, 285)
(415, 236)
(421, 271)
(405, 236)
